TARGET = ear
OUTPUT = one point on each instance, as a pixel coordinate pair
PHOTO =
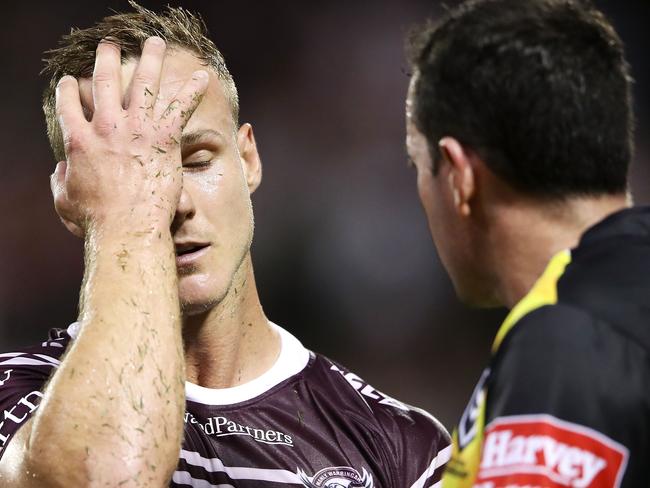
(249, 156)
(461, 178)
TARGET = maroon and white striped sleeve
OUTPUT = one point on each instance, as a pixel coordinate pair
(23, 376)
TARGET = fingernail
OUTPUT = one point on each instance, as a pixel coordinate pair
(63, 79)
(156, 41)
(111, 41)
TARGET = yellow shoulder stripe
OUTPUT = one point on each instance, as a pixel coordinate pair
(543, 292)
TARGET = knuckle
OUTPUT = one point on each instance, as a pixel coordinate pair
(61, 204)
(73, 142)
(141, 78)
(135, 123)
(103, 76)
(105, 124)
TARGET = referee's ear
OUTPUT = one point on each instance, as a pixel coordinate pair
(460, 174)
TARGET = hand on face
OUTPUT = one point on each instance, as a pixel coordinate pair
(123, 166)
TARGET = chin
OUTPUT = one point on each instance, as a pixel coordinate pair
(190, 307)
(198, 296)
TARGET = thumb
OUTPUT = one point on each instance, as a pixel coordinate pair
(61, 204)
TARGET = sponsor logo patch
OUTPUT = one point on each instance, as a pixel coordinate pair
(337, 477)
(18, 414)
(541, 450)
(468, 426)
(221, 426)
(368, 391)
(6, 377)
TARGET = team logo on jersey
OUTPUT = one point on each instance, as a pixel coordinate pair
(538, 450)
(6, 377)
(367, 391)
(468, 425)
(337, 477)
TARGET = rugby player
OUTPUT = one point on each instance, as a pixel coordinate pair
(520, 127)
(172, 375)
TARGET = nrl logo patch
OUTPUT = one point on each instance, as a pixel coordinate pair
(337, 477)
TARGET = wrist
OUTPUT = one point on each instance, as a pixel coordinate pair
(145, 229)
(118, 238)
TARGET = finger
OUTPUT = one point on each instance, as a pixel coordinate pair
(146, 78)
(57, 179)
(86, 94)
(61, 204)
(68, 109)
(73, 228)
(57, 185)
(106, 85)
(181, 108)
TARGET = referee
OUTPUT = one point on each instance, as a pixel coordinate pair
(520, 128)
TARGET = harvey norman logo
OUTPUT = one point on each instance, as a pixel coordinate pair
(540, 449)
(221, 427)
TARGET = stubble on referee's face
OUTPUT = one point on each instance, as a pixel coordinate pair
(454, 234)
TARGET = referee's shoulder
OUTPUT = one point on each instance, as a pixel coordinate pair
(565, 327)
(557, 325)
(563, 347)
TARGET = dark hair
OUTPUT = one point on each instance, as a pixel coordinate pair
(76, 53)
(540, 89)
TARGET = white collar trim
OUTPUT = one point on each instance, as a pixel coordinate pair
(293, 358)
(73, 329)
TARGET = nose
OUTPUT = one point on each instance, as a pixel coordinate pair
(185, 209)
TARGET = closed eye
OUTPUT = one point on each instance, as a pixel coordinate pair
(198, 159)
(197, 165)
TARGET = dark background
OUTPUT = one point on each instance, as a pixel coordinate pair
(342, 251)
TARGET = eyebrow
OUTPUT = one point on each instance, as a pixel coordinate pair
(191, 138)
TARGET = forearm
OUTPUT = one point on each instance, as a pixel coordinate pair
(115, 406)
(112, 414)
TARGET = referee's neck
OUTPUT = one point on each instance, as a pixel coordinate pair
(527, 234)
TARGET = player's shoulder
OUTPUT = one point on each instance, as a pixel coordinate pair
(393, 418)
(23, 373)
(40, 357)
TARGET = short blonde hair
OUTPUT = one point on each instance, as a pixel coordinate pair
(75, 55)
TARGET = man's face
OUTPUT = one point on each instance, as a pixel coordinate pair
(213, 226)
(431, 195)
(451, 234)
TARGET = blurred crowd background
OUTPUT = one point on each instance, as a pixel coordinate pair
(342, 252)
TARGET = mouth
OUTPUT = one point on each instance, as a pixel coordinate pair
(188, 252)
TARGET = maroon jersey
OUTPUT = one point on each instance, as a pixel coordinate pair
(305, 422)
